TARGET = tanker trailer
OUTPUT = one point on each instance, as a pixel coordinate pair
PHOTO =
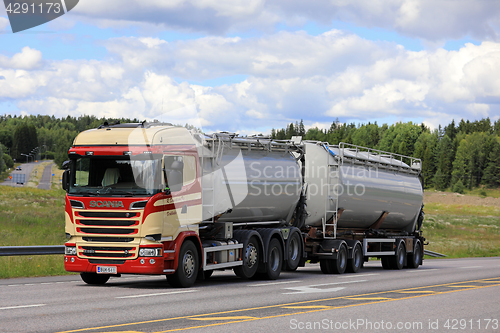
(362, 203)
(151, 198)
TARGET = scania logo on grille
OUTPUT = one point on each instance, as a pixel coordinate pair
(106, 204)
(126, 251)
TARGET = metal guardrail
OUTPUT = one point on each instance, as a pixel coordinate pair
(59, 249)
(434, 254)
(31, 250)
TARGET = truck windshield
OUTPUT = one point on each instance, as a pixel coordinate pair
(105, 176)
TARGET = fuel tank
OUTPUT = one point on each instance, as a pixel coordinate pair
(362, 187)
(250, 185)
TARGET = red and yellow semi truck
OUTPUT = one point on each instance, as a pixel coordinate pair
(151, 198)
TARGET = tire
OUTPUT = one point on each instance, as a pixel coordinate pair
(335, 266)
(397, 261)
(293, 252)
(94, 278)
(340, 264)
(326, 266)
(274, 260)
(204, 275)
(415, 258)
(386, 263)
(355, 264)
(251, 259)
(187, 269)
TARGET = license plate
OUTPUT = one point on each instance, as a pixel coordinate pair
(106, 270)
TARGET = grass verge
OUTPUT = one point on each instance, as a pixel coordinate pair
(462, 230)
(30, 216)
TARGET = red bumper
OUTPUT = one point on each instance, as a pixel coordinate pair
(150, 265)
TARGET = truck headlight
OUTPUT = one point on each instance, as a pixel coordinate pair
(70, 250)
(150, 252)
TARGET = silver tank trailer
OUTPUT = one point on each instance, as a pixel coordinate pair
(363, 185)
(256, 185)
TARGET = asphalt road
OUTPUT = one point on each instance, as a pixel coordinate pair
(26, 169)
(442, 295)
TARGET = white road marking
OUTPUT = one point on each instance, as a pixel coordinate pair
(29, 284)
(360, 275)
(310, 289)
(329, 284)
(423, 270)
(470, 267)
(159, 294)
(21, 306)
(271, 283)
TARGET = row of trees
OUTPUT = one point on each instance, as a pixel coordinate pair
(460, 155)
(42, 136)
(457, 156)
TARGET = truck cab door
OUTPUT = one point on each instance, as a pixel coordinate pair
(183, 204)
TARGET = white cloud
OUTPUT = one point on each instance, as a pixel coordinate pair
(4, 23)
(425, 19)
(27, 59)
(289, 76)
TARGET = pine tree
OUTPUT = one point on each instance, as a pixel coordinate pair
(444, 162)
(491, 176)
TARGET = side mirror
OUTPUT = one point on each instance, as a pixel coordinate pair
(65, 180)
(66, 165)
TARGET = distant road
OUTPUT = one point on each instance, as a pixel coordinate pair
(443, 295)
(46, 180)
(26, 169)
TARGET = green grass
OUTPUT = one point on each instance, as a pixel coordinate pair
(29, 216)
(462, 232)
(482, 192)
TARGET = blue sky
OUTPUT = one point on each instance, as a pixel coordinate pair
(249, 66)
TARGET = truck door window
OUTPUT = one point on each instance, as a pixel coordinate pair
(179, 171)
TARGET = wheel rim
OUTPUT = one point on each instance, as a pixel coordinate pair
(251, 255)
(274, 259)
(188, 263)
(293, 249)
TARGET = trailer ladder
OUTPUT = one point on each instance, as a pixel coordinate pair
(330, 225)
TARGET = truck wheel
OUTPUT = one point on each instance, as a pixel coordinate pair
(293, 253)
(354, 264)
(415, 257)
(386, 263)
(335, 266)
(274, 260)
(187, 269)
(397, 261)
(94, 278)
(251, 258)
(204, 275)
(341, 261)
(326, 266)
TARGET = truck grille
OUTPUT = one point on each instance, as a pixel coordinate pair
(108, 239)
(108, 231)
(107, 226)
(109, 223)
(108, 214)
(107, 252)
